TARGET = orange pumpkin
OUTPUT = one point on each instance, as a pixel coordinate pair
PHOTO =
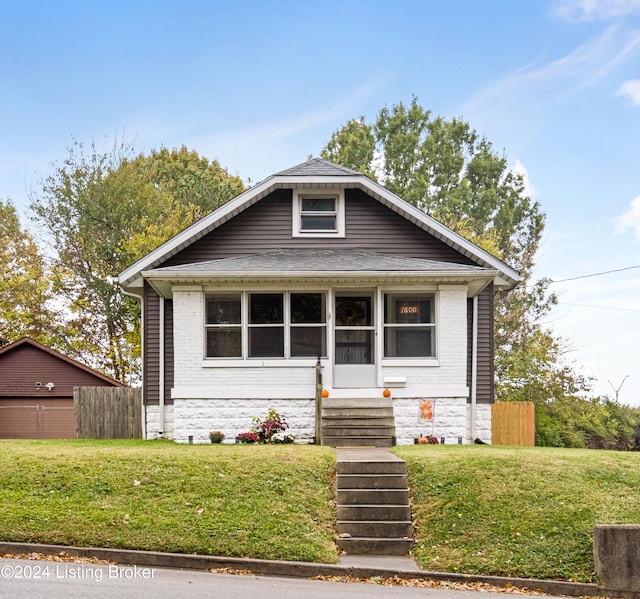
(325, 393)
(386, 393)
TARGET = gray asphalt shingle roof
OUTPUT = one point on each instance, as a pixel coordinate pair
(317, 166)
(318, 261)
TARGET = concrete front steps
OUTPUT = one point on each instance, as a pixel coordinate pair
(372, 496)
(358, 422)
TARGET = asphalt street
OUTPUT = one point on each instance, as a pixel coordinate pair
(33, 579)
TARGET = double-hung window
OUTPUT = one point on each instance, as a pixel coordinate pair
(224, 325)
(409, 325)
(308, 328)
(266, 325)
(318, 214)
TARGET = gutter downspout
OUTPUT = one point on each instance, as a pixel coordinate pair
(161, 360)
(140, 298)
(474, 369)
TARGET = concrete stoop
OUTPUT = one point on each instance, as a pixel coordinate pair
(372, 496)
(358, 422)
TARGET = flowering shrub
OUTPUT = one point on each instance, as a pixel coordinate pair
(248, 437)
(267, 428)
(283, 438)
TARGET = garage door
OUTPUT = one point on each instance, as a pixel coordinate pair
(33, 419)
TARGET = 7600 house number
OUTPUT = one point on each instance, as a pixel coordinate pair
(409, 309)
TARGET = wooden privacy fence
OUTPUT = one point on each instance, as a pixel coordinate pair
(513, 423)
(108, 412)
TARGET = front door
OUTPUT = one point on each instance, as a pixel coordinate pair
(354, 334)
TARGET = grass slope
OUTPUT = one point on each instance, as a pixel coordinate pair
(526, 512)
(271, 502)
(479, 509)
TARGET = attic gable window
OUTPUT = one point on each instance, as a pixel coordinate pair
(318, 214)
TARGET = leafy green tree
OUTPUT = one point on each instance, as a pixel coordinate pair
(104, 210)
(449, 171)
(595, 423)
(25, 295)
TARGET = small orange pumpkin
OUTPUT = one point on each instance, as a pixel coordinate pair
(325, 393)
(386, 393)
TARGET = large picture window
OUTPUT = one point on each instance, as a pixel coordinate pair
(409, 325)
(277, 325)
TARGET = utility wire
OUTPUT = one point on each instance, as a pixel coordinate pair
(599, 307)
(595, 274)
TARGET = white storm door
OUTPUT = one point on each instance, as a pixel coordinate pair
(354, 340)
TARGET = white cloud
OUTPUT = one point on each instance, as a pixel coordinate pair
(630, 219)
(529, 189)
(630, 90)
(539, 84)
(594, 10)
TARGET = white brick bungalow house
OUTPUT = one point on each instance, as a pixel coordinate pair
(317, 261)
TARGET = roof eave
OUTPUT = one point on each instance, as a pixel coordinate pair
(163, 283)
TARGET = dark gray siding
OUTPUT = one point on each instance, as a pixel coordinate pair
(151, 377)
(151, 342)
(266, 226)
(485, 390)
(168, 351)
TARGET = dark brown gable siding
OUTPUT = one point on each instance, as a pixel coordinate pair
(266, 226)
(370, 225)
(485, 390)
(22, 367)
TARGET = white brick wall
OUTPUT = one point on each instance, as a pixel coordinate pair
(452, 334)
(450, 420)
(197, 417)
(153, 422)
(188, 332)
(483, 422)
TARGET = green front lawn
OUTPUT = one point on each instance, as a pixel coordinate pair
(526, 512)
(271, 502)
(479, 509)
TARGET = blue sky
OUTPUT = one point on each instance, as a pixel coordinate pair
(261, 85)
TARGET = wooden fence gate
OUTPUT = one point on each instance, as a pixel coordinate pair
(513, 423)
(108, 412)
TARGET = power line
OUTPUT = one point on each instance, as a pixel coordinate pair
(600, 307)
(595, 274)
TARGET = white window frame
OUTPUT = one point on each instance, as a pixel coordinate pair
(245, 327)
(299, 195)
(409, 294)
